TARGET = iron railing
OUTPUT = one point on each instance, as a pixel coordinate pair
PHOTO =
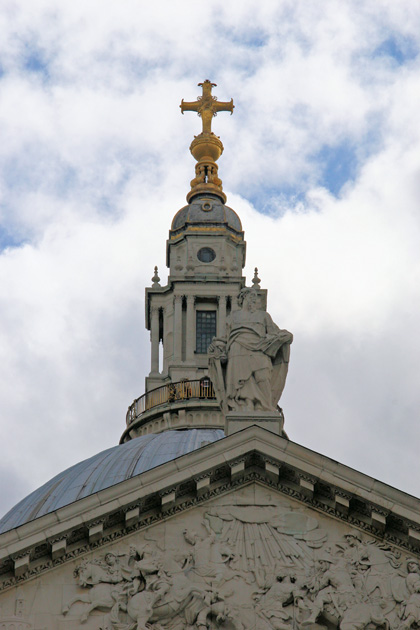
(173, 392)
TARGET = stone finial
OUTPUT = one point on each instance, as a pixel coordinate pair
(206, 147)
(156, 279)
(256, 280)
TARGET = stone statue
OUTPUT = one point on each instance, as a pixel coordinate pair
(249, 368)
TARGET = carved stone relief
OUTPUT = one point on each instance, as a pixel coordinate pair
(17, 620)
(249, 560)
(264, 567)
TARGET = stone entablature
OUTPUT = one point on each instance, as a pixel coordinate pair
(252, 455)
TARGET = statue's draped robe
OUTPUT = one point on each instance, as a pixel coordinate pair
(258, 356)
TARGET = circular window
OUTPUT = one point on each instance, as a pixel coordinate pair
(206, 255)
(206, 206)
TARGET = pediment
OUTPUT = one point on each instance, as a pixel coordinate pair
(232, 528)
(250, 558)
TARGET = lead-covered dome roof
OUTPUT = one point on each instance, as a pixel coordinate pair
(106, 469)
(206, 209)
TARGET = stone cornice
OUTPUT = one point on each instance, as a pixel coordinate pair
(240, 459)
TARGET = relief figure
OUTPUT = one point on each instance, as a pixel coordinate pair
(275, 608)
(103, 578)
(210, 557)
(411, 614)
(333, 589)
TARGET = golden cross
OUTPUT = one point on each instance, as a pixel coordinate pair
(207, 105)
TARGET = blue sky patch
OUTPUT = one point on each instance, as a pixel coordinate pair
(9, 239)
(34, 63)
(273, 201)
(335, 165)
(338, 165)
(400, 49)
(252, 38)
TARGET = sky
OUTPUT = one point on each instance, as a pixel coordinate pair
(321, 162)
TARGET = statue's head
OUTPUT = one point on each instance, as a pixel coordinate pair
(110, 559)
(325, 561)
(249, 298)
(413, 565)
(352, 538)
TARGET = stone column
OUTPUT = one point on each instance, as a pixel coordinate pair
(177, 328)
(154, 334)
(221, 325)
(190, 341)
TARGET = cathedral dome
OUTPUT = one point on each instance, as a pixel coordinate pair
(205, 210)
(106, 469)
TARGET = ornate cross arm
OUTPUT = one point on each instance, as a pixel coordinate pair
(207, 105)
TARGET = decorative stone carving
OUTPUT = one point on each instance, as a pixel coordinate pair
(407, 592)
(190, 266)
(249, 368)
(270, 568)
(142, 589)
(18, 620)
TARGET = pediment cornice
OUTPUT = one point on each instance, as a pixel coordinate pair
(253, 455)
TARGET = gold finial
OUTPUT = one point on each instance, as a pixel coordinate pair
(206, 147)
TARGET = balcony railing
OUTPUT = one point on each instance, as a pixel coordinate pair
(171, 393)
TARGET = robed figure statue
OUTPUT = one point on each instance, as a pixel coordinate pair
(249, 368)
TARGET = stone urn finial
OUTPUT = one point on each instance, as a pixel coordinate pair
(156, 279)
(256, 280)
